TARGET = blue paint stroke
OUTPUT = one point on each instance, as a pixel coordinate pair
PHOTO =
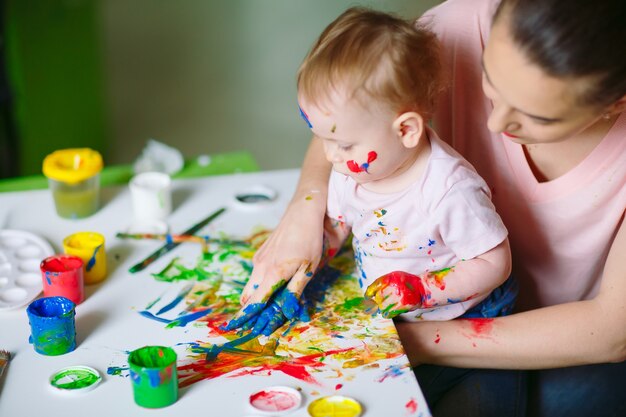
(178, 322)
(186, 319)
(116, 370)
(181, 295)
(392, 372)
(215, 350)
(305, 117)
(92, 260)
(153, 317)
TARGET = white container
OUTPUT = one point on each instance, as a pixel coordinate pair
(151, 195)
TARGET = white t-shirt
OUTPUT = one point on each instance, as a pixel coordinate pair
(443, 218)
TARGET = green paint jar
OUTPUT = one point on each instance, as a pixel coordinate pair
(74, 179)
(154, 376)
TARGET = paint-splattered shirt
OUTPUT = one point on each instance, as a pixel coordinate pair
(443, 218)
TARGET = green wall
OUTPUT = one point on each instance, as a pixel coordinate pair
(56, 75)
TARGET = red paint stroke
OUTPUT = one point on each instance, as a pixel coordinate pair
(356, 168)
(254, 363)
(338, 387)
(438, 339)
(411, 406)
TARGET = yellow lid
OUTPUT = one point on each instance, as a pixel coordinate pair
(72, 165)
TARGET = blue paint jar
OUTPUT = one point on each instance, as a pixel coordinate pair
(52, 325)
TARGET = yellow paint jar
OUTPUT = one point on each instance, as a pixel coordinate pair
(89, 246)
(74, 179)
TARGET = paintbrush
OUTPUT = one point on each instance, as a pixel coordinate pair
(171, 245)
(179, 238)
(5, 357)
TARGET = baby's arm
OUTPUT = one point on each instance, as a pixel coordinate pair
(399, 292)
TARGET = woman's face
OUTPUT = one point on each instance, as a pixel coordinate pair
(529, 106)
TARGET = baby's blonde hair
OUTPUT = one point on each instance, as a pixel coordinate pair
(377, 56)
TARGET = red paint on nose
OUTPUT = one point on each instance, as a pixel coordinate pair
(509, 135)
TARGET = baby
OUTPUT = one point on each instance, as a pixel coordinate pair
(427, 240)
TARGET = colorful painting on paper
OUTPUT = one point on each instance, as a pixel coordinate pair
(342, 339)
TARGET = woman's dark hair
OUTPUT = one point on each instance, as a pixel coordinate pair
(573, 38)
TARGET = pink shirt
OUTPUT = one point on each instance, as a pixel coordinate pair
(444, 217)
(561, 230)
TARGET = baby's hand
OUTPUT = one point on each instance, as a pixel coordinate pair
(397, 292)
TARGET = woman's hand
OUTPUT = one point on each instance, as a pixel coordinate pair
(288, 259)
(285, 263)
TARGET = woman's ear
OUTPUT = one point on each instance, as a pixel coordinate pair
(617, 107)
(409, 127)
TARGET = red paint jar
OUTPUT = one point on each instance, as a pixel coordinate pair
(63, 276)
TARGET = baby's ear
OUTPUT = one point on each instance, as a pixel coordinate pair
(409, 127)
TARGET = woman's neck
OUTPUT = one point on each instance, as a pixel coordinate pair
(549, 161)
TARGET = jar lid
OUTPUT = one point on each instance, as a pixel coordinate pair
(72, 165)
(75, 379)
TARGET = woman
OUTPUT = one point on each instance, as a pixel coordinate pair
(549, 137)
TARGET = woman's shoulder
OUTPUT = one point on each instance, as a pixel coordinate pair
(458, 17)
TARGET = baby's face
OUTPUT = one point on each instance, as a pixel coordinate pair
(358, 140)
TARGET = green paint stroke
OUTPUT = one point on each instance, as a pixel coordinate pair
(74, 378)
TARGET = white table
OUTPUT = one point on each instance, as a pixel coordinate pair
(108, 323)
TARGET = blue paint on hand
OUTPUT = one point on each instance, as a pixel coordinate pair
(289, 303)
(248, 313)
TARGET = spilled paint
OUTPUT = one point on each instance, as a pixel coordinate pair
(411, 406)
(356, 168)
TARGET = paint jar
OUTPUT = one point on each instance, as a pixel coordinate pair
(151, 197)
(63, 276)
(154, 376)
(52, 326)
(74, 179)
(88, 246)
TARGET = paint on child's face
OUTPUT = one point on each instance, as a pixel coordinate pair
(355, 134)
(356, 168)
(305, 117)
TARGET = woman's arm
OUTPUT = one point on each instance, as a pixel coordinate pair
(295, 246)
(570, 334)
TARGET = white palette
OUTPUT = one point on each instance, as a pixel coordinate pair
(20, 278)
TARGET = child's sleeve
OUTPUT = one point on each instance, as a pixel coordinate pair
(467, 218)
